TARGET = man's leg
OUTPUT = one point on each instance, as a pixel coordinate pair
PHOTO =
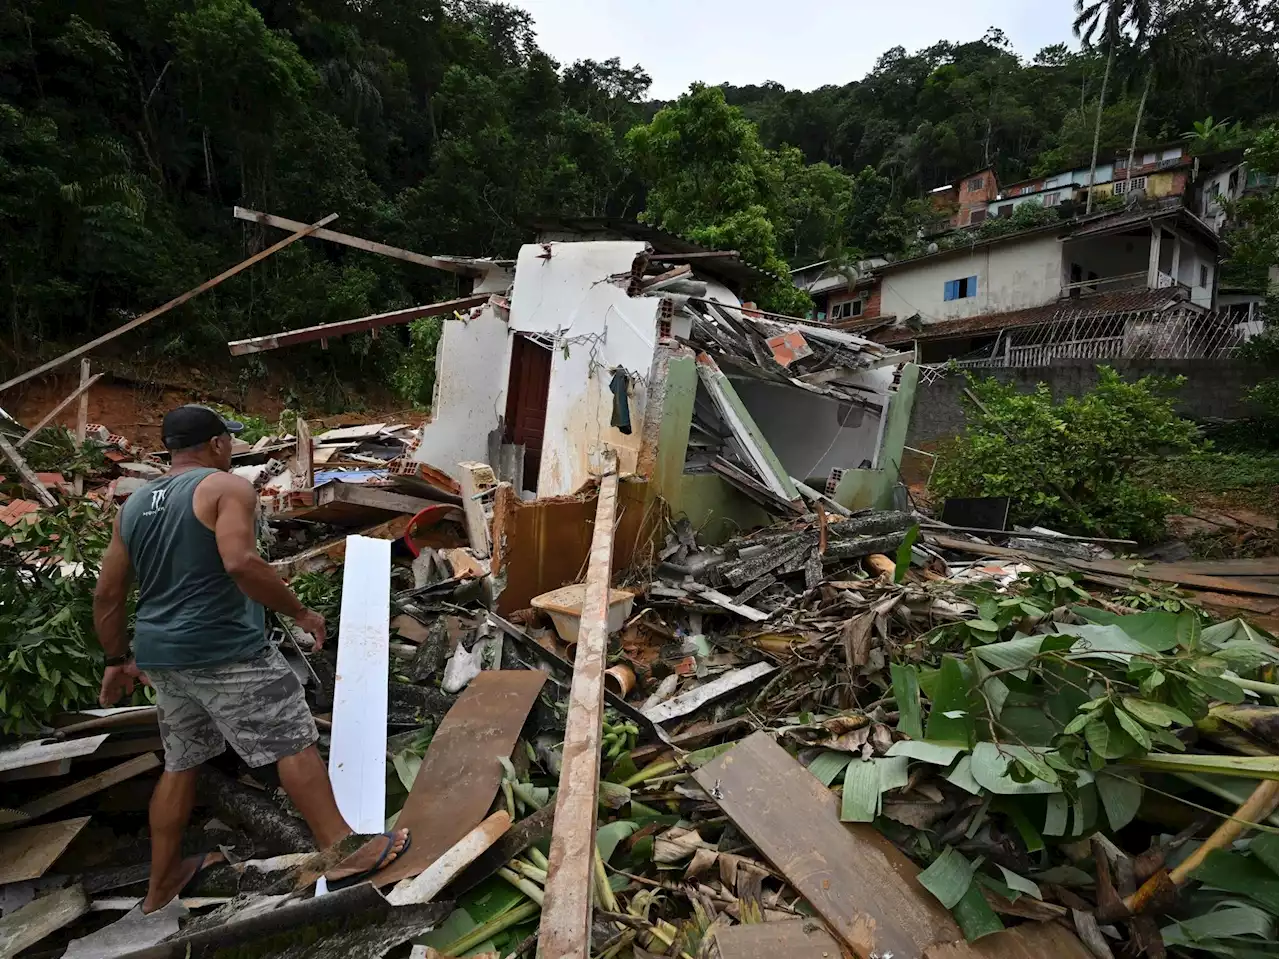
(171, 805)
(305, 779)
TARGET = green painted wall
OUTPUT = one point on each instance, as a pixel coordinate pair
(873, 489)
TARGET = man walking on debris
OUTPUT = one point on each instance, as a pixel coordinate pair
(200, 641)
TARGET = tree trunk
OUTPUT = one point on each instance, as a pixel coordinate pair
(1097, 126)
(1137, 123)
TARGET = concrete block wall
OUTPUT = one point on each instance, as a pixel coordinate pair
(1213, 389)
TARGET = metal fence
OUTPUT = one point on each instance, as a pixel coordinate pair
(1147, 334)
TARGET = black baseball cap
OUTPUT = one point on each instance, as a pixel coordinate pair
(192, 425)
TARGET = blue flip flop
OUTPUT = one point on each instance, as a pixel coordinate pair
(358, 877)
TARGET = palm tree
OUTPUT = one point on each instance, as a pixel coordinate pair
(1111, 18)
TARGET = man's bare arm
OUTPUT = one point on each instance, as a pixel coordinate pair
(234, 528)
(110, 609)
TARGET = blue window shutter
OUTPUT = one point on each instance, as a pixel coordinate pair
(949, 289)
(973, 286)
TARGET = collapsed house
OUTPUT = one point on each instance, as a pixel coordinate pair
(724, 409)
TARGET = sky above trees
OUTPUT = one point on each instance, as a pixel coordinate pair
(802, 44)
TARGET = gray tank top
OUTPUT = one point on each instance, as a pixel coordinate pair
(191, 613)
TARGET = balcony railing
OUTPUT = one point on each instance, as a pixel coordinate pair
(1100, 284)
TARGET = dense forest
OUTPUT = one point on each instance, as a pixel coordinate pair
(129, 128)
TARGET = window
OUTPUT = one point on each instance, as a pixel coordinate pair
(1204, 275)
(1051, 199)
(977, 183)
(1233, 182)
(960, 289)
(977, 216)
(846, 310)
(1122, 186)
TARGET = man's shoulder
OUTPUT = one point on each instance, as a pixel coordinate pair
(226, 486)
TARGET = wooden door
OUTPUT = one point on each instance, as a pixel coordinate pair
(526, 419)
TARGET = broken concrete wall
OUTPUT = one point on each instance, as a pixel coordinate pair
(810, 433)
(860, 488)
(471, 382)
(564, 292)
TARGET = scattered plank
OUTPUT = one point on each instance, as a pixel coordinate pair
(793, 938)
(95, 783)
(530, 830)
(460, 267)
(365, 324)
(136, 322)
(28, 852)
(696, 698)
(427, 884)
(26, 472)
(35, 753)
(66, 401)
(133, 932)
(564, 929)
(853, 876)
(41, 917)
(1031, 940)
(720, 599)
(373, 497)
(358, 746)
(460, 773)
(306, 455)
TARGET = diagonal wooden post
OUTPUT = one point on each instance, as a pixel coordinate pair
(176, 301)
(26, 472)
(564, 932)
(66, 401)
(82, 420)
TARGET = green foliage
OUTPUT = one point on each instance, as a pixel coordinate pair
(1071, 465)
(50, 661)
(322, 592)
(415, 377)
(53, 450)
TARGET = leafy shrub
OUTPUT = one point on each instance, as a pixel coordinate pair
(415, 378)
(50, 661)
(1092, 448)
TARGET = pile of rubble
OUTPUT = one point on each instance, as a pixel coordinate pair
(640, 640)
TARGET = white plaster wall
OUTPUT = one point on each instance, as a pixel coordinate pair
(470, 390)
(1191, 257)
(596, 327)
(809, 433)
(1011, 276)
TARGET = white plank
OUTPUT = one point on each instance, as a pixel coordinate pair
(40, 918)
(358, 747)
(696, 698)
(366, 431)
(34, 753)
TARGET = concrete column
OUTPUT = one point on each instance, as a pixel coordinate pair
(1177, 252)
(1153, 261)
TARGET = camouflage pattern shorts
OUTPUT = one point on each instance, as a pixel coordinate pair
(257, 706)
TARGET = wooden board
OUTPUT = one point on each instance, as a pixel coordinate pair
(34, 753)
(793, 938)
(1031, 940)
(460, 773)
(41, 917)
(564, 931)
(853, 876)
(358, 744)
(87, 787)
(374, 497)
(28, 852)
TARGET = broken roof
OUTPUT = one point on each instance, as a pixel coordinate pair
(730, 268)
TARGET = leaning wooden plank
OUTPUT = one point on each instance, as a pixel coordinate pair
(33, 753)
(564, 930)
(460, 267)
(853, 876)
(176, 301)
(309, 334)
(745, 430)
(95, 783)
(82, 420)
(460, 773)
(28, 852)
(26, 472)
(427, 884)
(306, 455)
(696, 698)
(41, 917)
(49, 417)
(358, 747)
(726, 602)
(793, 938)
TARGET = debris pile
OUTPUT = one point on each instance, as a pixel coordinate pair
(618, 728)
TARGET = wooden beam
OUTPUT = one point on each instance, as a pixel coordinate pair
(82, 420)
(564, 931)
(176, 301)
(371, 496)
(28, 475)
(306, 455)
(95, 783)
(49, 417)
(462, 268)
(309, 334)
(686, 257)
